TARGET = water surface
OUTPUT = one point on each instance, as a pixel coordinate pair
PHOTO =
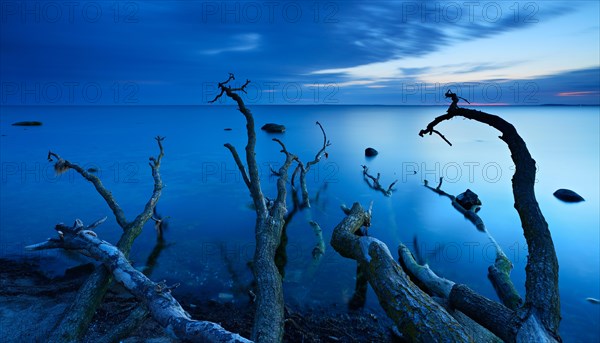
(211, 233)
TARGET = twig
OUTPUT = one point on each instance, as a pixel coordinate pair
(376, 185)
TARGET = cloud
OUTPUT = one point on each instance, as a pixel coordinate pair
(239, 43)
(584, 93)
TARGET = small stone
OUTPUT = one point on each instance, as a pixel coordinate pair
(273, 128)
(370, 152)
(568, 195)
(227, 129)
(469, 200)
(27, 123)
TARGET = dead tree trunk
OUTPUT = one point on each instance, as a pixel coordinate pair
(155, 296)
(542, 301)
(78, 316)
(269, 316)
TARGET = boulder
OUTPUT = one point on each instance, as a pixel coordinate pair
(568, 195)
(370, 152)
(273, 128)
(469, 200)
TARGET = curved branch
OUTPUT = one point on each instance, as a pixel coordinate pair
(238, 162)
(61, 165)
(253, 174)
(542, 296)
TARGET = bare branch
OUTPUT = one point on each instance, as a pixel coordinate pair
(376, 185)
(304, 169)
(62, 164)
(156, 296)
(238, 162)
(146, 214)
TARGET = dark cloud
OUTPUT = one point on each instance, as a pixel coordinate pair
(187, 44)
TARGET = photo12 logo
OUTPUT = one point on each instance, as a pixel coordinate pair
(472, 12)
(36, 172)
(68, 12)
(269, 12)
(499, 93)
(68, 92)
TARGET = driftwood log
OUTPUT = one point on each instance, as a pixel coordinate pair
(417, 316)
(155, 296)
(77, 317)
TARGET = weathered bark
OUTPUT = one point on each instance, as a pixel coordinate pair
(542, 300)
(499, 275)
(415, 314)
(269, 316)
(77, 317)
(156, 296)
(376, 185)
(493, 316)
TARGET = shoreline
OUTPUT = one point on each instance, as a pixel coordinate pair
(31, 303)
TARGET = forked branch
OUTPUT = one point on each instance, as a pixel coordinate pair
(156, 296)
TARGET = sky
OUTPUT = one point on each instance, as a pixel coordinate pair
(299, 52)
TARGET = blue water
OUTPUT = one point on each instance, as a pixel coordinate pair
(210, 238)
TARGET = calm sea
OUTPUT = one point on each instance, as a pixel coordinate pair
(210, 237)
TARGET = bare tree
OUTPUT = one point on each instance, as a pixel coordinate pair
(269, 317)
(421, 319)
(77, 317)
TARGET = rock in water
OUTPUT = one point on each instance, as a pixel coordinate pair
(27, 123)
(568, 195)
(273, 128)
(469, 200)
(370, 152)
